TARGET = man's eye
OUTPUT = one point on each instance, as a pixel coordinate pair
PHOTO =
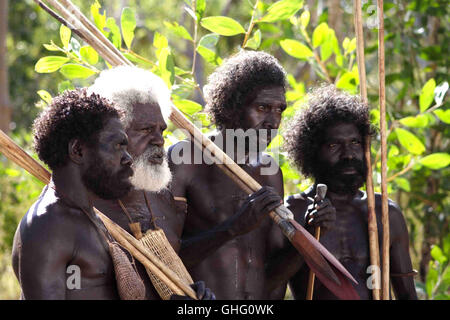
(332, 145)
(356, 142)
(262, 108)
(145, 130)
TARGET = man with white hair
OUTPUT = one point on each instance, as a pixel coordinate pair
(144, 101)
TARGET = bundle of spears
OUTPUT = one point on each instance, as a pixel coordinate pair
(326, 267)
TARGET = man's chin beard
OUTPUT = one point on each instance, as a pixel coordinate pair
(150, 177)
(343, 184)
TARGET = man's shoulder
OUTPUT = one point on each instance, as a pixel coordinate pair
(48, 215)
(393, 206)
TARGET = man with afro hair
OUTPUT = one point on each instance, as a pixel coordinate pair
(58, 252)
(245, 98)
(326, 142)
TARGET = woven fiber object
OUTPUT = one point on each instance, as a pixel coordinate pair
(156, 241)
(129, 283)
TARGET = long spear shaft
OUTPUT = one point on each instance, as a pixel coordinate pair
(372, 218)
(384, 193)
(320, 194)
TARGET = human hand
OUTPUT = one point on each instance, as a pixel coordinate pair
(255, 208)
(321, 213)
(201, 291)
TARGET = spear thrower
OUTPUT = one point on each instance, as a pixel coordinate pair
(326, 267)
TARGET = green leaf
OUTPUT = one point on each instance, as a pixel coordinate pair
(76, 71)
(178, 30)
(403, 183)
(166, 66)
(320, 34)
(65, 34)
(438, 255)
(207, 48)
(329, 46)
(12, 172)
(444, 116)
(432, 278)
(47, 97)
(51, 46)
(159, 42)
(65, 85)
(209, 41)
(50, 64)
(304, 18)
(200, 8)
(427, 95)
(222, 25)
(140, 61)
(114, 36)
(296, 49)
(349, 45)
(282, 10)
(436, 161)
(348, 81)
(99, 19)
(89, 55)
(255, 41)
(188, 106)
(209, 55)
(419, 121)
(128, 24)
(409, 141)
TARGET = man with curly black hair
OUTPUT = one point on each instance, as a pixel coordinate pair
(326, 142)
(245, 97)
(58, 252)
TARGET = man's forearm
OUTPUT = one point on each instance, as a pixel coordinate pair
(196, 248)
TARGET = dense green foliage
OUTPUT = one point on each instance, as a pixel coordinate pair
(183, 41)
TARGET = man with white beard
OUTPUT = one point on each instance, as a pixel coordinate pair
(144, 100)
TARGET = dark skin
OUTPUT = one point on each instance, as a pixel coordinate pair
(227, 235)
(55, 233)
(347, 237)
(145, 130)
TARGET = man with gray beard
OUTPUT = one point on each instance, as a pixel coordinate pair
(144, 101)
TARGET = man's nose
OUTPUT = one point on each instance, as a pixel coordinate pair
(272, 121)
(157, 140)
(347, 152)
(127, 159)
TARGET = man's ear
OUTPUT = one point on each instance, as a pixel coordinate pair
(76, 151)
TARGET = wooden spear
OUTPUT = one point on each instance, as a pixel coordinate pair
(384, 193)
(17, 155)
(320, 195)
(372, 218)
